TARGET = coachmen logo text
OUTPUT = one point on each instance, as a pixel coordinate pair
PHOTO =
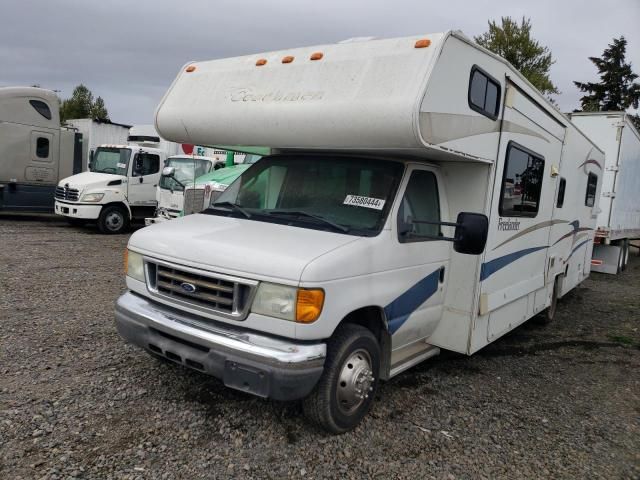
(248, 95)
(508, 224)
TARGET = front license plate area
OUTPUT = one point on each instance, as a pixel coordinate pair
(246, 378)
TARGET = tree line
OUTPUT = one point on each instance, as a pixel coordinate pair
(616, 90)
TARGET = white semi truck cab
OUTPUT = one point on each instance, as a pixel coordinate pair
(180, 172)
(412, 203)
(120, 187)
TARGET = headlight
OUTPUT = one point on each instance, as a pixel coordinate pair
(92, 197)
(134, 266)
(288, 303)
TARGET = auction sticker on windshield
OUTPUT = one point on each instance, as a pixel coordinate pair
(366, 202)
(121, 165)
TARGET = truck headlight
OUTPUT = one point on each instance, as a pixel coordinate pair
(134, 266)
(288, 303)
(92, 197)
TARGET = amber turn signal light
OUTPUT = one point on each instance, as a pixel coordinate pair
(309, 305)
(190, 68)
(424, 43)
(316, 56)
(260, 62)
(287, 59)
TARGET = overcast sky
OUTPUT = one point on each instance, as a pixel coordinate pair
(128, 51)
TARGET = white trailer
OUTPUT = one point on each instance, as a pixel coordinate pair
(96, 133)
(422, 195)
(619, 218)
(35, 152)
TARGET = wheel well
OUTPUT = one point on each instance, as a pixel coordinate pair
(374, 319)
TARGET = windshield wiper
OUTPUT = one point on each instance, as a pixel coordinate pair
(300, 213)
(233, 206)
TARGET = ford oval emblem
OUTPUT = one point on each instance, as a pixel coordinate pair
(188, 287)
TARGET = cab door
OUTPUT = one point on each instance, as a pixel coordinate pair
(144, 178)
(415, 312)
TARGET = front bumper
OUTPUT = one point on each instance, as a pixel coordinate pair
(255, 363)
(75, 210)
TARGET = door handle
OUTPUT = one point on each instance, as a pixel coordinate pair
(441, 276)
(141, 179)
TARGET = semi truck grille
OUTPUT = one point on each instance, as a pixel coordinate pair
(66, 193)
(193, 200)
(216, 293)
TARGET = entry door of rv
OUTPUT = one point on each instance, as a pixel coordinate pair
(513, 273)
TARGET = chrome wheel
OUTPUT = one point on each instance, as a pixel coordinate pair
(355, 381)
(114, 221)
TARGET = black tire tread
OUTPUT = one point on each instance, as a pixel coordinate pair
(103, 213)
(317, 405)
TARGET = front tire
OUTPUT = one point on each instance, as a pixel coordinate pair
(113, 220)
(345, 391)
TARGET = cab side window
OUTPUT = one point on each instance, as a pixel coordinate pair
(146, 164)
(420, 203)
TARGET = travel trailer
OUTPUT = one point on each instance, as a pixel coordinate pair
(413, 202)
(180, 172)
(96, 133)
(35, 152)
(619, 203)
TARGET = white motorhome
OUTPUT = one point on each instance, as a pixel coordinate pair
(96, 133)
(619, 218)
(180, 173)
(412, 204)
(35, 152)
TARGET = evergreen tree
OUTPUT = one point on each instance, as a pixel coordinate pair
(513, 42)
(617, 89)
(82, 105)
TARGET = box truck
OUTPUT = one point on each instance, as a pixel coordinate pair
(619, 218)
(96, 133)
(35, 152)
(420, 195)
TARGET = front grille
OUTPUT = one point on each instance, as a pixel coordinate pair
(216, 293)
(193, 200)
(66, 193)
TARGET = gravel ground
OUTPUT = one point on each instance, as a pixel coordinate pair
(561, 401)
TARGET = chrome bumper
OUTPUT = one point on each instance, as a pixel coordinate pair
(255, 363)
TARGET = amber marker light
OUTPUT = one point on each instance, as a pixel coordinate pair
(190, 68)
(424, 43)
(260, 62)
(316, 56)
(287, 59)
(309, 305)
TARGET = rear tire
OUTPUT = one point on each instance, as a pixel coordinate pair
(625, 254)
(345, 391)
(113, 220)
(549, 314)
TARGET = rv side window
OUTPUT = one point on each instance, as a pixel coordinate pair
(146, 164)
(592, 186)
(420, 202)
(521, 183)
(42, 108)
(484, 93)
(42, 147)
(561, 188)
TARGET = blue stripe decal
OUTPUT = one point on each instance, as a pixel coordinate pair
(576, 248)
(402, 307)
(496, 264)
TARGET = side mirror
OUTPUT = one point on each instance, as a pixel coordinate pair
(471, 233)
(168, 171)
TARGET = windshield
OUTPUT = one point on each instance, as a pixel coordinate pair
(186, 171)
(250, 158)
(111, 160)
(342, 194)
